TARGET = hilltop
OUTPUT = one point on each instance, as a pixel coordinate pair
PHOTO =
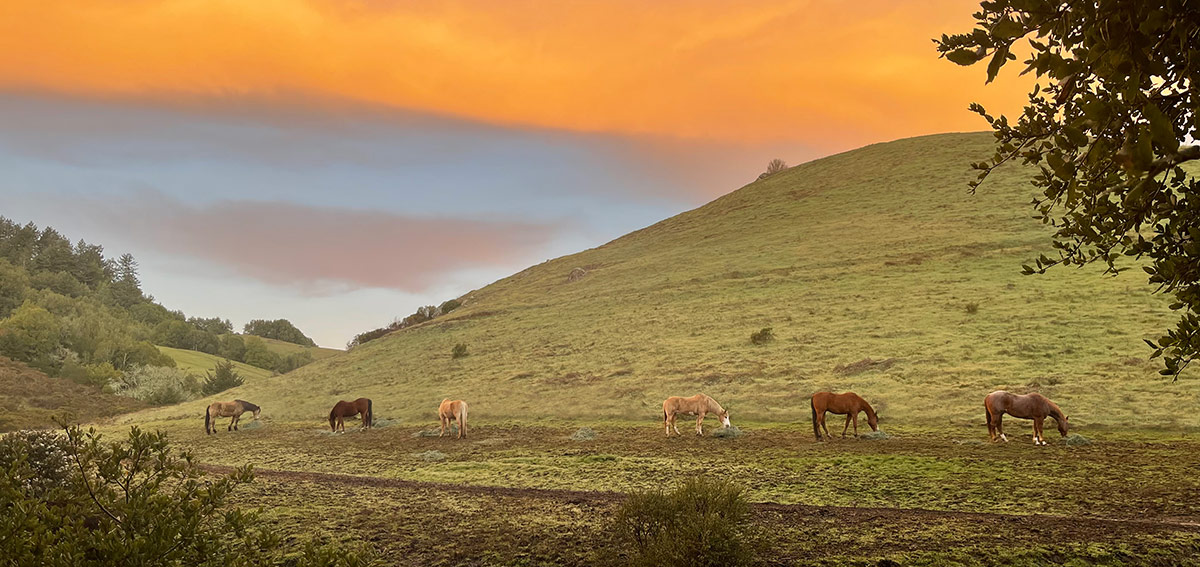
(875, 269)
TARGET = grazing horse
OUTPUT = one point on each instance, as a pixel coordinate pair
(456, 411)
(698, 405)
(233, 409)
(344, 409)
(848, 403)
(1029, 406)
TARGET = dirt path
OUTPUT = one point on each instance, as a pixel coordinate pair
(1076, 527)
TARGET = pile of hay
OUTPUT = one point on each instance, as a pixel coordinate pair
(432, 456)
(727, 432)
(874, 436)
(1074, 439)
(584, 434)
(252, 425)
(383, 422)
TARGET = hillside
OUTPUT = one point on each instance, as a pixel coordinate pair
(876, 253)
(200, 363)
(30, 399)
(284, 348)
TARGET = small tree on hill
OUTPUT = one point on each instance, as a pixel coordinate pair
(222, 377)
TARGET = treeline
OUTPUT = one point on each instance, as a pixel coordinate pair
(422, 315)
(279, 329)
(69, 311)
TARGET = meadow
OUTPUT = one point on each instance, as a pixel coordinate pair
(876, 272)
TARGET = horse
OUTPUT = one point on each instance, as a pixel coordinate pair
(848, 403)
(698, 405)
(233, 409)
(456, 411)
(344, 409)
(1029, 406)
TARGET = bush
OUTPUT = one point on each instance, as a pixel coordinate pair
(459, 351)
(221, 378)
(141, 504)
(449, 305)
(702, 522)
(972, 308)
(762, 336)
(38, 458)
(157, 385)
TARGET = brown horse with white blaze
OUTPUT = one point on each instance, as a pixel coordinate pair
(848, 404)
(1029, 406)
(344, 409)
(233, 409)
(456, 411)
(698, 405)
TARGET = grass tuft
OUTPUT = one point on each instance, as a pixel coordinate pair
(584, 434)
(432, 456)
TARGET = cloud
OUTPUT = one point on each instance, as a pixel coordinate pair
(820, 72)
(317, 250)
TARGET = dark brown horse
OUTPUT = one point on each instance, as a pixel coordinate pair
(233, 409)
(344, 409)
(848, 403)
(1029, 406)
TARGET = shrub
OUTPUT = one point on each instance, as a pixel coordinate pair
(157, 385)
(702, 522)
(221, 378)
(39, 459)
(449, 305)
(141, 504)
(762, 336)
(774, 167)
(972, 308)
(459, 351)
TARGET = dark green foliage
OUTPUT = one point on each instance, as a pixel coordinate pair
(423, 314)
(702, 522)
(232, 347)
(1106, 129)
(279, 329)
(293, 361)
(157, 385)
(448, 306)
(31, 334)
(134, 502)
(213, 325)
(257, 354)
(459, 351)
(222, 377)
(762, 336)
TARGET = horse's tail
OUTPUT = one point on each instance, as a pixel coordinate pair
(987, 413)
(207, 419)
(370, 414)
(816, 428)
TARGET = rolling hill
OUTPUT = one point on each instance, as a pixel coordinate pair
(200, 363)
(31, 400)
(875, 269)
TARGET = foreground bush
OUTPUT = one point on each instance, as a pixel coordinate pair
(132, 502)
(702, 522)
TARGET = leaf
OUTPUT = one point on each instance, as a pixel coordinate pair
(1161, 129)
(963, 56)
(1007, 29)
(998, 60)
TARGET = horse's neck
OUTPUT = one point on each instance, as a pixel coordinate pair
(867, 408)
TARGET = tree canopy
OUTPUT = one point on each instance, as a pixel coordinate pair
(1109, 126)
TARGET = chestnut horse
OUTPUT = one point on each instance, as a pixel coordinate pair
(344, 409)
(233, 409)
(698, 405)
(455, 411)
(1029, 406)
(848, 403)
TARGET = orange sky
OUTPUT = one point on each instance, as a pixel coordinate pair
(835, 74)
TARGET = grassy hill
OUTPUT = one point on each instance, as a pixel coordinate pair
(30, 399)
(200, 363)
(284, 348)
(878, 253)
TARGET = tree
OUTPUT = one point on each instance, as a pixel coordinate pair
(232, 347)
(126, 289)
(30, 334)
(279, 329)
(1105, 128)
(257, 354)
(221, 378)
(775, 166)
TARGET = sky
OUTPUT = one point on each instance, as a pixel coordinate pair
(339, 163)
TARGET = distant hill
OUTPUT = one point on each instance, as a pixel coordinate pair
(200, 363)
(875, 270)
(30, 399)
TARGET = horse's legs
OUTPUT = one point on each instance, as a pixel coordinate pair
(667, 422)
(443, 433)
(462, 427)
(1037, 431)
(700, 420)
(991, 427)
(1000, 427)
(856, 424)
(847, 427)
(825, 427)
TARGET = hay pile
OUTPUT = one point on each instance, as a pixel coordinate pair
(874, 436)
(584, 434)
(727, 432)
(1074, 439)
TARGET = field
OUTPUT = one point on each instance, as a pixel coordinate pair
(200, 363)
(284, 348)
(876, 272)
(527, 494)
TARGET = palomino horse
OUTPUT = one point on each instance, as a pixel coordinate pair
(698, 405)
(344, 409)
(1030, 406)
(456, 411)
(848, 404)
(233, 409)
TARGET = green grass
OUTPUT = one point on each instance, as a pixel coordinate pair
(874, 253)
(284, 348)
(201, 363)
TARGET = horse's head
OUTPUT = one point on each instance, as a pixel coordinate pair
(724, 417)
(1063, 425)
(257, 412)
(873, 421)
